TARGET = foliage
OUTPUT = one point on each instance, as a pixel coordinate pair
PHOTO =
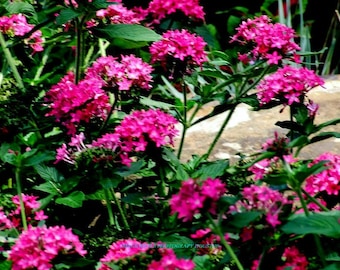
(93, 98)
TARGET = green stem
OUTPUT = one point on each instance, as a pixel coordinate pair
(19, 191)
(109, 207)
(102, 47)
(219, 134)
(185, 124)
(11, 63)
(120, 209)
(197, 108)
(79, 50)
(315, 201)
(225, 244)
(42, 65)
(316, 237)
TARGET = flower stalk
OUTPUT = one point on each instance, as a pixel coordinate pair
(21, 201)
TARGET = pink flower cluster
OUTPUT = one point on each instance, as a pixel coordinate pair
(130, 71)
(181, 45)
(38, 246)
(287, 84)
(293, 259)
(264, 199)
(72, 104)
(327, 180)
(193, 197)
(119, 14)
(137, 130)
(13, 219)
(127, 249)
(209, 242)
(272, 42)
(17, 25)
(159, 9)
(133, 135)
(123, 249)
(169, 261)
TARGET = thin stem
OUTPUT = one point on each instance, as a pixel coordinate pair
(219, 134)
(120, 209)
(102, 47)
(11, 63)
(316, 237)
(42, 65)
(110, 113)
(19, 191)
(79, 50)
(225, 244)
(315, 201)
(185, 124)
(197, 108)
(109, 207)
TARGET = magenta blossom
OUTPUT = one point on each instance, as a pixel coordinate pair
(17, 25)
(179, 45)
(328, 180)
(128, 72)
(73, 104)
(269, 41)
(192, 197)
(287, 84)
(170, 261)
(264, 199)
(118, 14)
(293, 259)
(159, 9)
(38, 246)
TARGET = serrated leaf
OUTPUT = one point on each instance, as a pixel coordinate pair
(326, 223)
(38, 158)
(212, 170)
(74, 200)
(132, 32)
(66, 15)
(21, 7)
(49, 173)
(48, 187)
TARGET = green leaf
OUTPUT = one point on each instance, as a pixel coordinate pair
(304, 171)
(241, 220)
(135, 167)
(48, 187)
(67, 15)
(21, 7)
(108, 183)
(202, 262)
(128, 44)
(132, 32)
(38, 158)
(324, 135)
(328, 123)
(74, 200)
(324, 223)
(49, 173)
(6, 265)
(134, 198)
(155, 104)
(333, 266)
(212, 170)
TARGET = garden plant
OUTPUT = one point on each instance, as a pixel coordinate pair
(94, 97)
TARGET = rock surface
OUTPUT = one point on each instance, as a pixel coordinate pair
(248, 130)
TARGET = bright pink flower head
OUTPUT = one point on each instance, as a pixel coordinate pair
(119, 14)
(17, 25)
(327, 180)
(73, 104)
(287, 84)
(159, 9)
(193, 197)
(293, 259)
(179, 45)
(128, 72)
(261, 198)
(38, 246)
(122, 250)
(170, 261)
(269, 41)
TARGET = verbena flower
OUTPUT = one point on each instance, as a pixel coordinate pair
(328, 180)
(263, 199)
(128, 72)
(17, 25)
(293, 259)
(36, 247)
(288, 85)
(208, 243)
(72, 104)
(123, 249)
(118, 14)
(170, 261)
(159, 9)
(181, 46)
(192, 197)
(269, 41)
